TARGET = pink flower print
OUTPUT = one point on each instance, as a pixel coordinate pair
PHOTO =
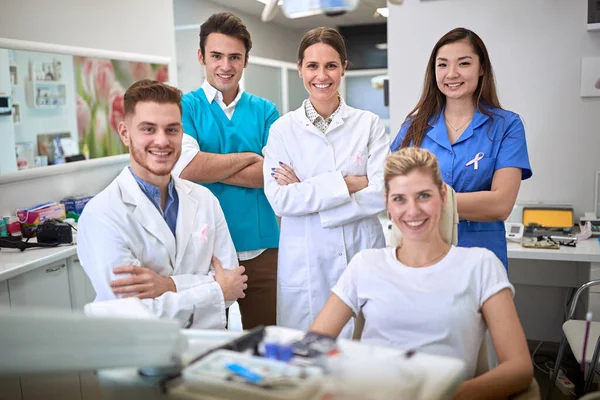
(358, 158)
(203, 233)
(162, 74)
(598, 84)
(104, 77)
(141, 70)
(116, 112)
(84, 116)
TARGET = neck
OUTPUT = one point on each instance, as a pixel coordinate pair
(327, 107)
(161, 182)
(459, 108)
(421, 253)
(229, 96)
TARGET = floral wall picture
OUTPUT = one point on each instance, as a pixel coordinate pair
(101, 84)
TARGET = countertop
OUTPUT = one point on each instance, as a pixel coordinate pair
(585, 251)
(14, 262)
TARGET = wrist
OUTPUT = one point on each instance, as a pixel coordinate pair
(171, 287)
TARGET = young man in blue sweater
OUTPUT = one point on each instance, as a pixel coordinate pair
(226, 130)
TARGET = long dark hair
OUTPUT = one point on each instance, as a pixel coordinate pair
(432, 100)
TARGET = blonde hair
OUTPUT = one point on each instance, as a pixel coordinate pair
(408, 159)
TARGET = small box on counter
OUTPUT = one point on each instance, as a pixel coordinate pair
(31, 217)
(75, 203)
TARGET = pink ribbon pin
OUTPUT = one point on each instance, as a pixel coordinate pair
(358, 158)
(203, 236)
(475, 161)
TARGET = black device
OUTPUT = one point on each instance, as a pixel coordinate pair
(54, 231)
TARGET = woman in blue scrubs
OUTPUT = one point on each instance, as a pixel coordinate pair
(481, 147)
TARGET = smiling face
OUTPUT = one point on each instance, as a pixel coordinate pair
(457, 70)
(321, 71)
(153, 134)
(225, 58)
(415, 203)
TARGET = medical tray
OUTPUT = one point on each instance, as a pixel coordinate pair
(209, 376)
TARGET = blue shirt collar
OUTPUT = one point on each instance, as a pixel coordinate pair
(153, 192)
(439, 133)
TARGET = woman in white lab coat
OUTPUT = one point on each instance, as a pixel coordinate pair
(323, 172)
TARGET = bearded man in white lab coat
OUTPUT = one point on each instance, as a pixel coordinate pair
(154, 236)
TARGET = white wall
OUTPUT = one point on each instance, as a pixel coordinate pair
(536, 48)
(268, 40)
(134, 26)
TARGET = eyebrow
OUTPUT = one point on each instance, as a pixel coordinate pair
(220, 54)
(459, 58)
(148, 123)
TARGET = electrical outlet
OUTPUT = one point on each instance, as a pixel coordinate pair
(565, 384)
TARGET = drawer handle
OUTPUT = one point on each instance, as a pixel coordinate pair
(54, 269)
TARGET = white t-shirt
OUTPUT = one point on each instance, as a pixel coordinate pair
(435, 309)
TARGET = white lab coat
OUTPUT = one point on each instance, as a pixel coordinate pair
(121, 226)
(322, 225)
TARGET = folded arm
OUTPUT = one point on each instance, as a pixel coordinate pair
(101, 249)
(370, 200)
(302, 198)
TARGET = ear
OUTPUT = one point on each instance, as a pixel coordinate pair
(246, 61)
(481, 71)
(124, 133)
(345, 67)
(200, 57)
(444, 193)
(299, 65)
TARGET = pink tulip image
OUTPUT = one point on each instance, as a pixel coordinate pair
(84, 116)
(116, 108)
(87, 77)
(100, 132)
(141, 70)
(162, 73)
(597, 85)
(104, 78)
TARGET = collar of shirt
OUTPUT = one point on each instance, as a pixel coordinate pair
(212, 93)
(313, 116)
(153, 194)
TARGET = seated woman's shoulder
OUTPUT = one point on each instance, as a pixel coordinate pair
(475, 254)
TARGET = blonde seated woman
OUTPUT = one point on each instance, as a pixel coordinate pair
(428, 295)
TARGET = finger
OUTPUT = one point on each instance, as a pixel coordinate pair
(282, 179)
(242, 295)
(244, 286)
(217, 263)
(130, 289)
(281, 173)
(241, 269)
(244, 278)
(128, 269)
(286, 167)
(130, 280)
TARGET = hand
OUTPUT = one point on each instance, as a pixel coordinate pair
(284, 175)
(143, 283)
(255, 157)
(232, 281)
(356, 183)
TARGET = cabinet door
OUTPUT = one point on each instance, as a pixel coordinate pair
(82, 291)
(10, 389)
(4, 299)
(46, 286)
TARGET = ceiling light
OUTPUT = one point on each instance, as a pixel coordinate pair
(265, 2)
(381, 46)
(384, 12)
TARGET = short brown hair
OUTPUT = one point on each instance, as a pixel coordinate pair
(149, 90)
(409, 159)
(325, 35)
(226, 24)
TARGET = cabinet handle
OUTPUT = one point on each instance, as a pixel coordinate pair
(54, 269)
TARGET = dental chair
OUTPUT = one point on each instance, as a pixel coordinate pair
(449, 231)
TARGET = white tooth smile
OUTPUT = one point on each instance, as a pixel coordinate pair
(415, 223)
(160, 153)
(454, 84)
(322, 86)
(225, 76)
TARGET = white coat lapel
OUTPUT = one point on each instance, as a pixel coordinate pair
(145, 213)
(186, 219)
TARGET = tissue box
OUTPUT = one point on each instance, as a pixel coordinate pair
(31, 217)
(75, 203)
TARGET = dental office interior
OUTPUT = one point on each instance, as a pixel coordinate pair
(544, 53)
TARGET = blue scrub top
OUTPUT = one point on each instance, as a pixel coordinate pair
(501, 139)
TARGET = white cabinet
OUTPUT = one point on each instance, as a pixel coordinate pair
(82, 291)
(4, 298)
(46, 286)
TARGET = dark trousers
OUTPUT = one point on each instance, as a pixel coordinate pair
(259, 307)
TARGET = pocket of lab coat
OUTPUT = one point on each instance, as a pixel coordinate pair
(292, 266)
